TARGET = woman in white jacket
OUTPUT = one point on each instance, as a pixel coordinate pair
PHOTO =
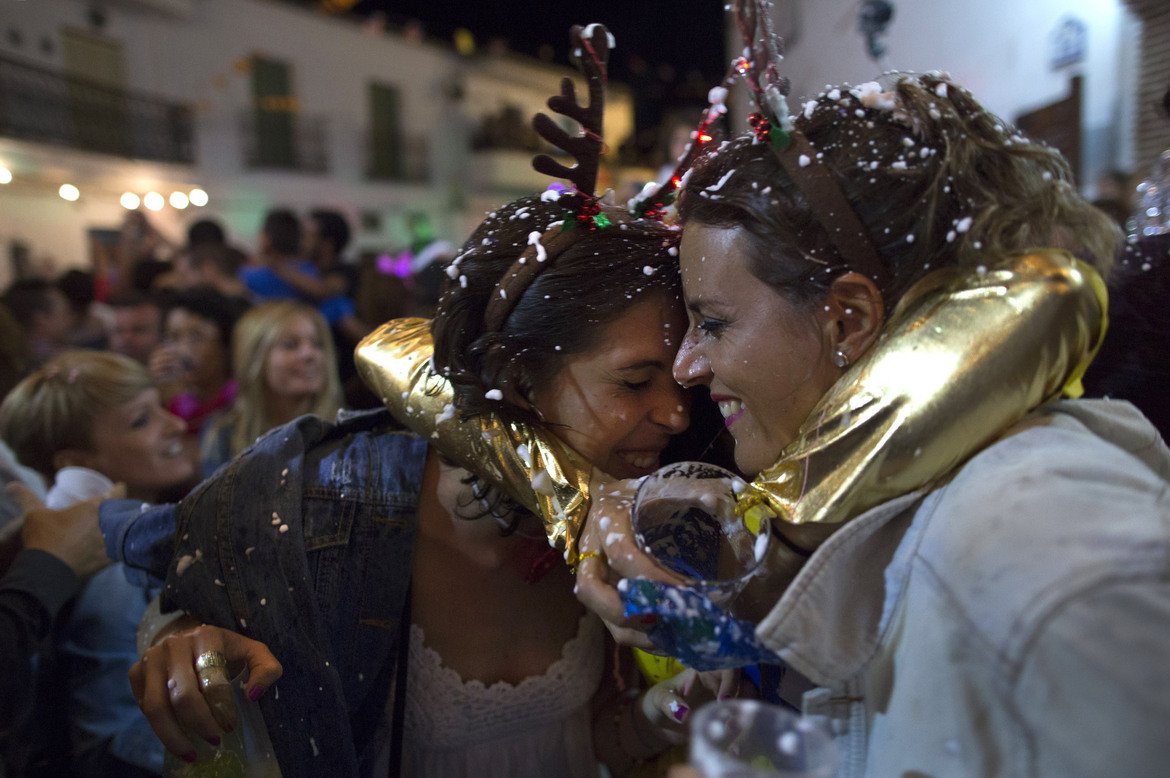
(978, 574)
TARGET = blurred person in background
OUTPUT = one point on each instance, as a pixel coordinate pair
(279, 252)
(428, 271)
(43, 313)
(323, 278)
(136, 325)
(99, 411)
(17, 358)
(283, 361)
(140, 254)
(206, 232)
(16, 361)
(207, 260)
(90, 318)
(88, 420)
(326, 236)
(1116, 195)
(12, 471)
(1117, 185)
(296, 263)
(1134, 360)
(192, 367)
(58, 551)
(209, 266)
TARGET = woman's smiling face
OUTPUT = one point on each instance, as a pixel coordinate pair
(617, 405)
(295, 364)
(766, 360)
(139, 443)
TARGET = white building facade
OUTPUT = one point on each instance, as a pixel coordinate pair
(1015, 57)
(260, 105)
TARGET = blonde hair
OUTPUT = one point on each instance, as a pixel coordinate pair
(252, 340)
(934, 177)
(53, 409)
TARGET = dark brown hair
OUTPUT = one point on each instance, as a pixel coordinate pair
(585, 287)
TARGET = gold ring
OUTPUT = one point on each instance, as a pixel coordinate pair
(211, 667)
(209, 659)
(586, 555)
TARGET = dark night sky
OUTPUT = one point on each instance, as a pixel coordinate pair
(686, 34)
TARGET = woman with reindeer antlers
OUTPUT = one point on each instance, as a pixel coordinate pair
(407, 615)
(892, 296)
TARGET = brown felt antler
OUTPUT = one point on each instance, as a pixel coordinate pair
(592, 45)
(586, 148)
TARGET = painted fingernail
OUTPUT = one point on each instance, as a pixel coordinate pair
(190, 757)
(213, 740)
(648, 621)
(256, 692)
(678, 711)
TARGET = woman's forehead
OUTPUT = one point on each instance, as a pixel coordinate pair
(709, 254)
(641, 329)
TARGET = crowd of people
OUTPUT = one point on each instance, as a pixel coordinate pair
(878, 312)
(150, 377)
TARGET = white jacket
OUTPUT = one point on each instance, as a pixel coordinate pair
(1014, 621)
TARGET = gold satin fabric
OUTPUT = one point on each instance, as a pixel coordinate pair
(964, 356)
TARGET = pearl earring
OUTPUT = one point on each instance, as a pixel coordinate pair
(840, 359)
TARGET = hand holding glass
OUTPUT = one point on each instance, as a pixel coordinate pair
(685, 518)
(752, 739)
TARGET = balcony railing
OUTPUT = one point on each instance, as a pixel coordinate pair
(284, 140)
(43, 106)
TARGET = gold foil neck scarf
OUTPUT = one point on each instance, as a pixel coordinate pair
(530, 464)
(965, 355)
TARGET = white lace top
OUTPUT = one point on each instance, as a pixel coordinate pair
(539, 727)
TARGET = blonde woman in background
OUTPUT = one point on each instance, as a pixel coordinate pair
(85, 421)
(94, 417)
(283, 359)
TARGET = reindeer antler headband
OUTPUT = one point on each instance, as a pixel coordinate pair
(592, 44)
(760, 69)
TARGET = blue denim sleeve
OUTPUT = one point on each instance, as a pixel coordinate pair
(140, 536)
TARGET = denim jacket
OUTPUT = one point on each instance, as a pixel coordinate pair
(303, 542)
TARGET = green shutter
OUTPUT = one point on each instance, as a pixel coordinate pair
(385, 132)
(272, 91)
